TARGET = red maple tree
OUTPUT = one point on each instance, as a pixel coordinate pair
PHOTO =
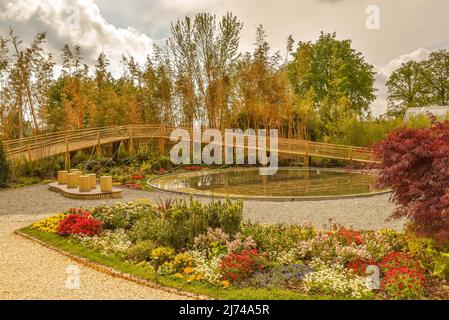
(414, 163)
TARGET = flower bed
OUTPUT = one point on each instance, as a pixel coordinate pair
(192, 246)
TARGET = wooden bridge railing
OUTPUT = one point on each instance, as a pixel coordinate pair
(46, 145)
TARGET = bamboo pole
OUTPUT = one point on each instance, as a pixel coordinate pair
(67, 154)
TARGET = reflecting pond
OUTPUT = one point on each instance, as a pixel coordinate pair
(287, 182)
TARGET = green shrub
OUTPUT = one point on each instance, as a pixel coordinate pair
(227, 216)
(163, 162)
(424, 250)
(79, 158)
(141, 251)
(178, 264)
(41, 168)
(122, 215)
(441, 263)
(161, 255)
(177, 224)
(278, 237)
(181, 224)
(5, 169)
(90, 166)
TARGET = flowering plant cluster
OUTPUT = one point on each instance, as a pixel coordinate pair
(395, 260)
(208, 266)
(237, 266)
(193, 168)
(49, 224)
(404, 283)
(108, 242)
(403, 276)
(133, 185)
(335, 280)
(331, 262)
(360, 266)
(348, 236)
(79, 224)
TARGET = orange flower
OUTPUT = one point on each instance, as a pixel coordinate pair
(188, 270)
(225, 283)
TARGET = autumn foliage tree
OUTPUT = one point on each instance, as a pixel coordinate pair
(414, 163)
(5, 170)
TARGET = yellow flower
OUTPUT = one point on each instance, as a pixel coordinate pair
(49, 225)
(225, 283)
(178, 275)
(199, 277)
(188, 270)
(191, 278)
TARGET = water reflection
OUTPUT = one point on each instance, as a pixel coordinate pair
(287, 182)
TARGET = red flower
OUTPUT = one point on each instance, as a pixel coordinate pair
(79, 224)
(240, 265)
(398, 260)
(359, 266)
(349, 236)
(193, 168)
(404, 283)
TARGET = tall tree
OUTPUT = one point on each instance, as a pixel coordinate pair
(5, 169)
(436, 74)
(263, 89)
(27, 61)
(4, 71)
(407, 88)
(202, 52)
(338, 77)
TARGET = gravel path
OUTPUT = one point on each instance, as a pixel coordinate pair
(30, 271)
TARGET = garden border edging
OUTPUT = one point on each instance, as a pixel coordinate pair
(112, 272)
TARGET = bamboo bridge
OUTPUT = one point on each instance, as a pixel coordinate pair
(52, 144)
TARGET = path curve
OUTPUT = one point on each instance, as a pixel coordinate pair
(31, 271)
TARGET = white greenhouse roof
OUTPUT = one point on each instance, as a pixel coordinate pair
(437, 111)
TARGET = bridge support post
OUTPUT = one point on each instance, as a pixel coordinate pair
(115, 147)
(30, 158)
(350, 157)
(67, 154)
(307, 158)
(98, 147)
(161, 145)
(129, 144)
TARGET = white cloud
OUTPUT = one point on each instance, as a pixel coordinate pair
(105, 26)
(417, 55)
(94, 34)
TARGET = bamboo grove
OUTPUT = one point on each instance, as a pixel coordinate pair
(319, 90)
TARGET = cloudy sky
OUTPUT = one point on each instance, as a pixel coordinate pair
(409, 29)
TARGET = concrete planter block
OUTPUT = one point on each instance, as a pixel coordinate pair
(72, 180)
(84, 184)
(93, 180)
(106, 183)
(62, 177)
